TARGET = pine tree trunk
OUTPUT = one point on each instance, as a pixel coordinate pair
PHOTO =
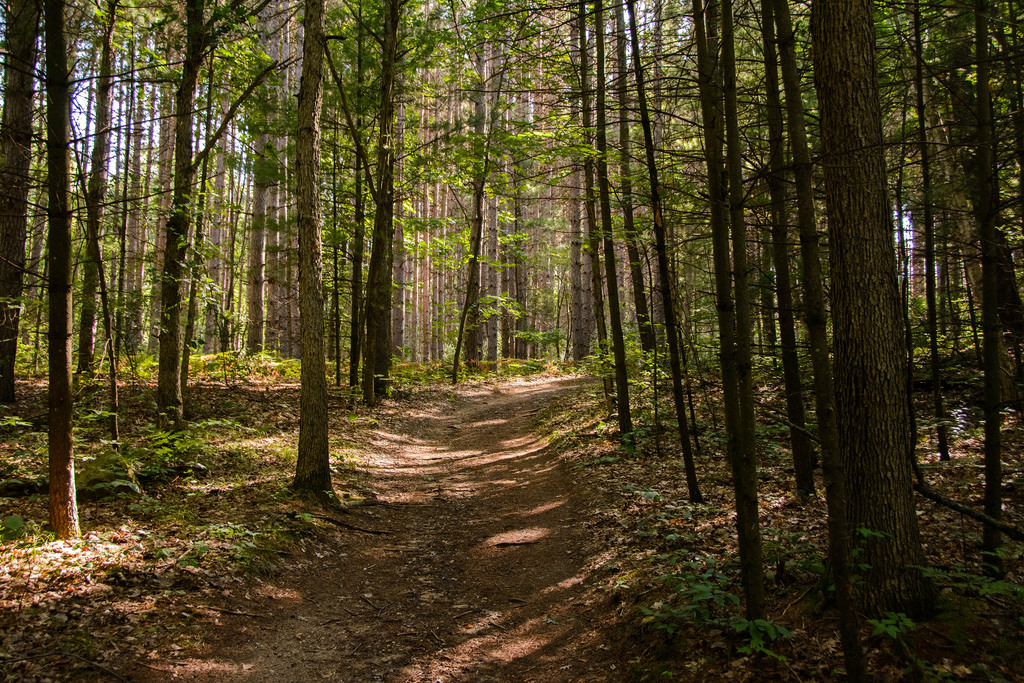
(833, 472)
(22, 26)
(803, 456)
(256, 274)
(986, 213)
(744, 456)
(611, 276)
(661, 247)
(312, 470)
(870, 370)
(593, 233)
(63, 507)
(169, 390)
(376, 367)
(648, 338)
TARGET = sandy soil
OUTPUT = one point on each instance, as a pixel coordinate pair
(478, 568)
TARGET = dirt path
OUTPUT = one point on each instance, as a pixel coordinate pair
(483, 572)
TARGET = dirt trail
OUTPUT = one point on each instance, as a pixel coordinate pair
(483, 574)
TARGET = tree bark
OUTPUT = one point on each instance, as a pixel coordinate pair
(377, 365)
(611, 275)
(648, 338)
(833, 472)
(256, 274)
(63, 507)
(593, 235)
(661, 247)
(312, 470)
(95, 193)
(744, 456)
(928, 219)
(869, 364)
(803, 456)
(986, 213)
(169, 394)
(22, 26)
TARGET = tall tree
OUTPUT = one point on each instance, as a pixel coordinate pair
(928, 225)
(743, 456)
(986, 210)
(661, 247)
(21, 21)
(803, 456)
(611, 275)
(256, 282)
(63, 505)
(590, 202)
(313, 470)
(96, 189)
(869, 364)
(816, 316)
(169, 396)
(648, 339)
(377, 363)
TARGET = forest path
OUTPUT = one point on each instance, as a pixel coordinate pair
(483, 572)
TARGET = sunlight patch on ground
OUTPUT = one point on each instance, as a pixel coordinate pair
(517, 537)
(488, 423)
(542, 508)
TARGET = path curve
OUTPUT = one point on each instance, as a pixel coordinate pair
(484, 574)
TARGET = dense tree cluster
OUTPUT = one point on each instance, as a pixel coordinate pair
(831, 195)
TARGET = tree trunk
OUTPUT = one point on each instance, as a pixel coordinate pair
(582, 316)
(593, 233)
(312, 470)
(986, 213)
(744, 457)
(833, 472)
(869, 365)
(256, 275)
(803, 456)
(62, 504)
(611, 276)
(469, 321)
(648, 338)
(22, 26)
(377, 365)
(928, 220)
(94, 198)
(169, 396)
(661, 246)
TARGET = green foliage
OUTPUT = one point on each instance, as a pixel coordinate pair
(241, 366)
(701, 588)
(645, 494)
(894, 625)
(760, 632)
(11, 527)
(702, 596)
(165, 453)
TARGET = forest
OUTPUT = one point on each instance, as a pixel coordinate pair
(719, 299)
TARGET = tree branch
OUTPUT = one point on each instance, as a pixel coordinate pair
(211, 143)
(356, 139)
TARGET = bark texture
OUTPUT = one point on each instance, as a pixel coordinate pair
(313, 470)
(870, 369)
(62, 505)
(22, 24)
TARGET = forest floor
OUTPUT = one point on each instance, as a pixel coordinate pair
(468, 563)
(497, 531)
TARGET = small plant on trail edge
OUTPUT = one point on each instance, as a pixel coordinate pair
(700, 585)
(759, 633)
(894, 625)
(706, 600)
(11, 528)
